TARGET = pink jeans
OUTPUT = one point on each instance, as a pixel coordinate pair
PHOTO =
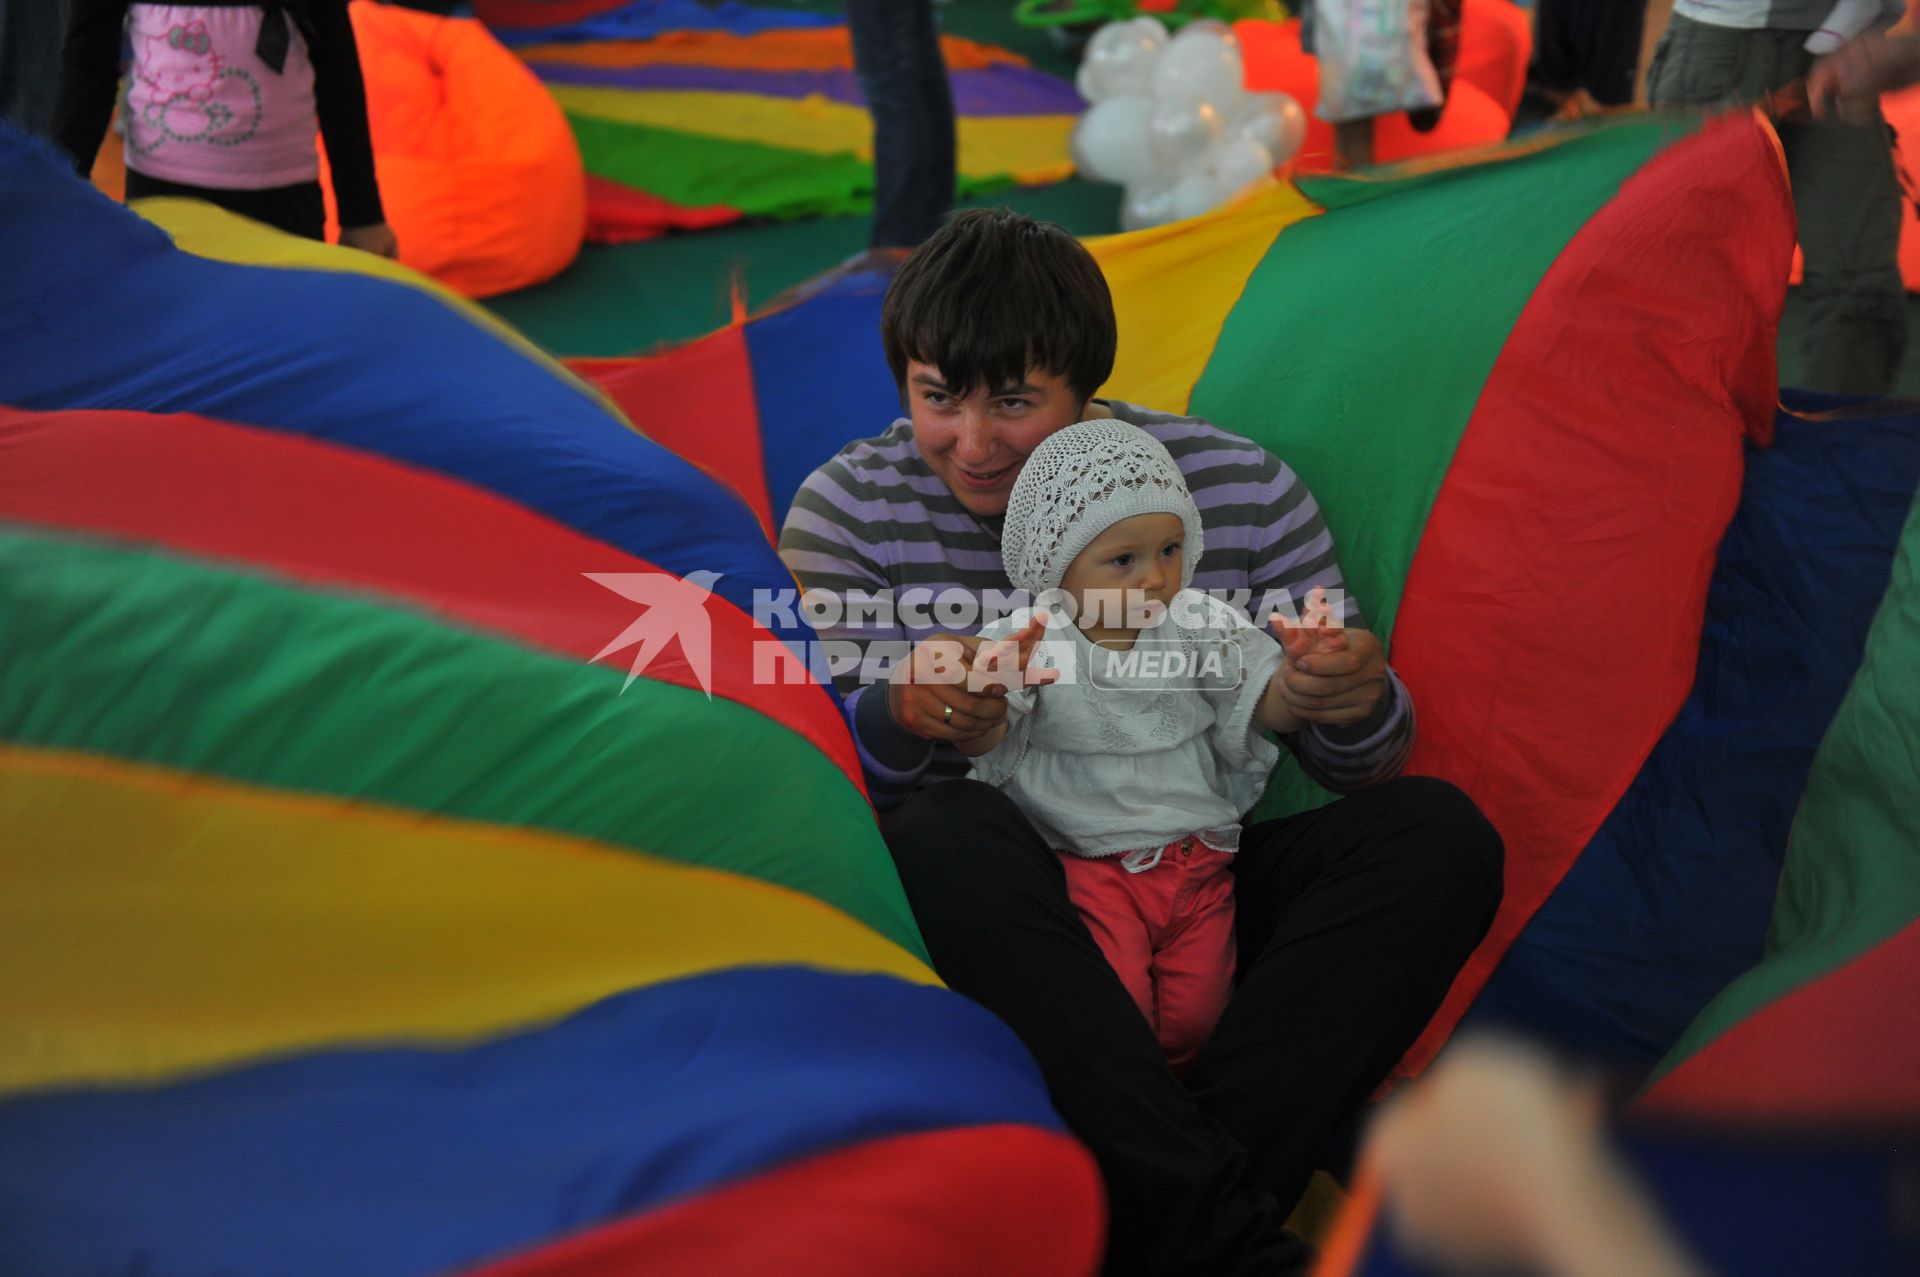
(1168, 933)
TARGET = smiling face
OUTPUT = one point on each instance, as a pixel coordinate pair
(977, 443)
(1125, 579)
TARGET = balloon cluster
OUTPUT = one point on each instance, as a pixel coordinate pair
(1171, 121)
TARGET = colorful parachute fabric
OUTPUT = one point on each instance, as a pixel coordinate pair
(1670, 901)
(357, 916)
(691, 117)
(1438, 355)
(1778, 1132)
(1821, 1028)
(1646, 614)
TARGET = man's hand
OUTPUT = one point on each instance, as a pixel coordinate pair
(1332, 675)
(947, 672)
(377, 239)
(1846, 85)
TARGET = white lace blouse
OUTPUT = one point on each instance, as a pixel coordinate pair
(1125, 756)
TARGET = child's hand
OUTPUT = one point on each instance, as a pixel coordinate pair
(1495, 1159)
(1316, 630)
(1331, 674)
(1004, 665)
(377, 239)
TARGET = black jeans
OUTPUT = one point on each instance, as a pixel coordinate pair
(896, 51)
(1352, 921)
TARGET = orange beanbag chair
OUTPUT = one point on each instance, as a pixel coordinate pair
(480, 176)
(1496, 40)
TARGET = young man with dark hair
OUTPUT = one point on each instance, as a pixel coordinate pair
(1352, 919)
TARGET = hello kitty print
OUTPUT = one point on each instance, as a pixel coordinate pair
(203, 110)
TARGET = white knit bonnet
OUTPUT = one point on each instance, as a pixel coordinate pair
(1081, 481)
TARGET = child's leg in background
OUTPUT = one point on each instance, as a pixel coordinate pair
(1194, 954)
(1105, 894)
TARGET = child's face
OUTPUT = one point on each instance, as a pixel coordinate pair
(1127, 576)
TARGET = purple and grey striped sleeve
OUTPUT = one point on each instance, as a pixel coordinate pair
(833, 542)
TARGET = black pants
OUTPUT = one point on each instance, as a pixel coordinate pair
(1588, 44)
(298, 209)
(896, 51)
(1352, 922)
(30, 37)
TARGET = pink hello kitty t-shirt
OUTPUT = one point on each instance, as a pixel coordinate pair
(203, 109)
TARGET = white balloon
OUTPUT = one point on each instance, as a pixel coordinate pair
(1255, 117)
(1088, 86)
(1152, 28)
(1110, 141)
(1124, 62)
(1274, 120)
(1214, 27)
(1148, 203)
(1179, 133)
(1228, 96)
(1239, 163)
(1293, 130)
(1198, 65)
(1197, 193)
(1107, 36)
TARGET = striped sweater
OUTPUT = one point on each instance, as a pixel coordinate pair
(875, 522)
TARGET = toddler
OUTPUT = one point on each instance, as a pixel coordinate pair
(1133, 743)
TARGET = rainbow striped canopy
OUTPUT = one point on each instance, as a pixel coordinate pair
(354, 920)
(330, 951)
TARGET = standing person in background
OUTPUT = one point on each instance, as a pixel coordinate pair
(29, 61)
(896, 51)
(1844, 188)
(1586, 56)
(220, 105)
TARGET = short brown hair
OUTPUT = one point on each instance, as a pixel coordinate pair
(994, 293)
